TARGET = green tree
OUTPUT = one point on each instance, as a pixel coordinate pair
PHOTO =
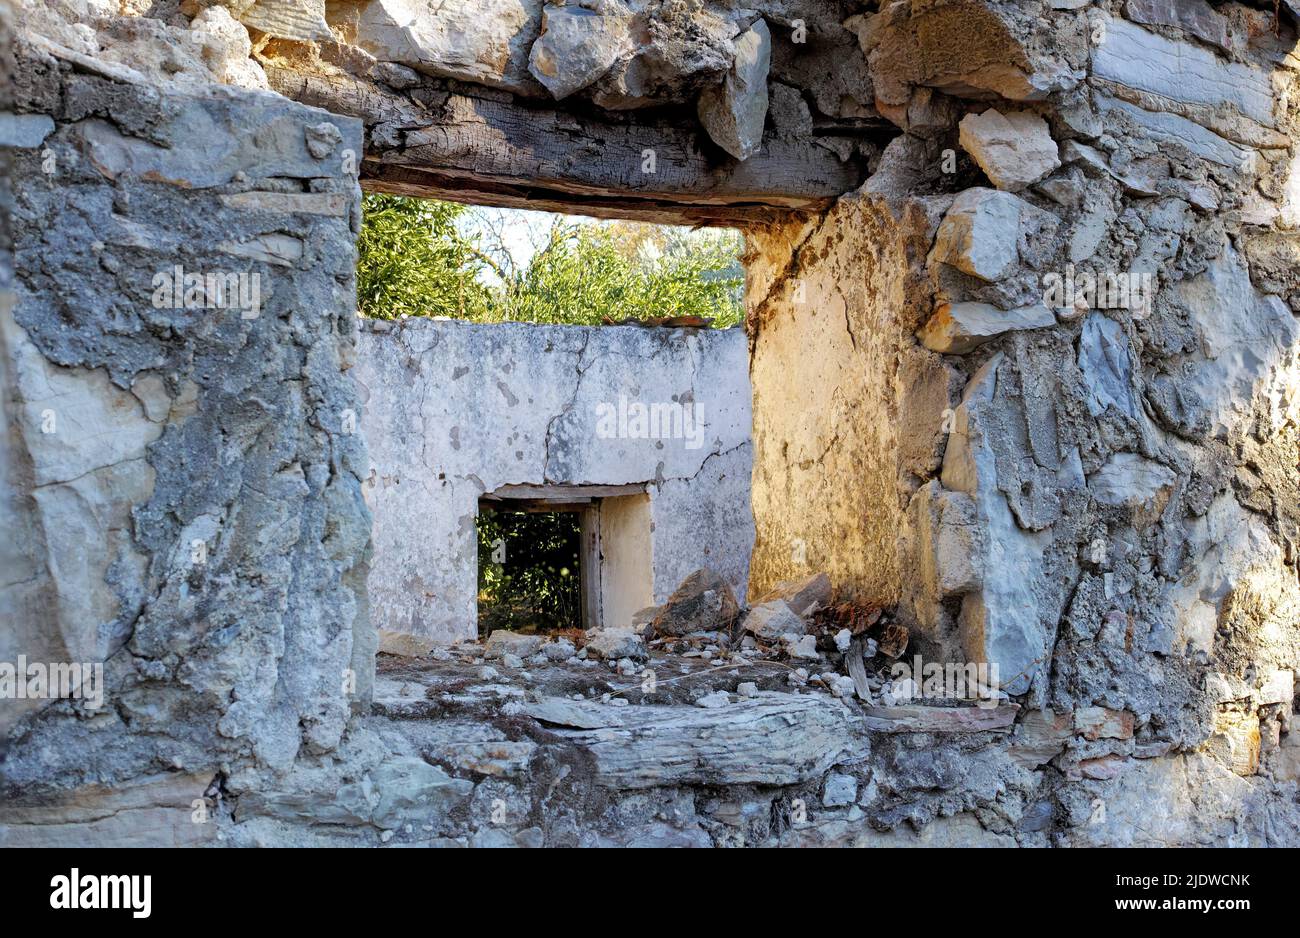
(414, 261)
(528, 571)
(582, 273)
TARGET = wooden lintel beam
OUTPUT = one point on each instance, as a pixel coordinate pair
(455, 143)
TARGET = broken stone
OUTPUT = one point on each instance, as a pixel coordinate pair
(1132, 481)
(576, 47)
(800, 646)
(958, 328)
(770, 620)
(613, 644)
(839, 790)
(804, 597)
(1277, 686)
(502, 642)
(1226, 688)
(703, 603)
(734, 113)
(1100, 723)
(559, 650)
(841, 685)
(747, 689)
(714, 701)
(227, 48)
(986, 233)
(1015, 150)
(404, 645)
(979, 233)
(843, 638)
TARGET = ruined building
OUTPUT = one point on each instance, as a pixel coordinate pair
(1019, 386)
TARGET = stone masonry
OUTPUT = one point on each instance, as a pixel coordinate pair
(1022, 322)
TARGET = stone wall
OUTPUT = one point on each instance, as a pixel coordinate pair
(454, 411)
(184, 501)
(1098, 495)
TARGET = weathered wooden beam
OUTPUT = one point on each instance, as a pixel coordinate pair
(559, 492)
(493, 149)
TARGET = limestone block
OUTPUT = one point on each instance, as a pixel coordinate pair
(1132, 481)
(151, 811)
(1001, 623)
(613, 644)
(768, 621)
(958, 328)
(484, 41)
(577, 46)
(503, 642)
(745, 743)
(1196, 17)
(303, 20)
(1015, 150)
(1183, 73)
(1165, 129)
(25, 130)
(734, 114)
(1107, 362)
(980, 232)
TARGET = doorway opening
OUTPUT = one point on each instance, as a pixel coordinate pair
(555, 558)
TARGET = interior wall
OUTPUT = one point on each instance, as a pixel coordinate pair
(454, 410)
(846, 414)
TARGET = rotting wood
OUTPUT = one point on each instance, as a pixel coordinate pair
(493, 150)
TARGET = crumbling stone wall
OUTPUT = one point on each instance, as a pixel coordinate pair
(1099, 497)
(454, 411)
(185, 504)
(1112, 519)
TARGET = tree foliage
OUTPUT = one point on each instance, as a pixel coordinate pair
(528, 575)
(427, 258)
(415, 262)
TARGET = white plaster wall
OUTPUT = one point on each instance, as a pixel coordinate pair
(453, 410)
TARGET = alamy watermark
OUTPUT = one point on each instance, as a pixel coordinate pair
(660, 420)
(88, 891)
(36, 680)
(181, 289)
(932, 680)
(1077, 291)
